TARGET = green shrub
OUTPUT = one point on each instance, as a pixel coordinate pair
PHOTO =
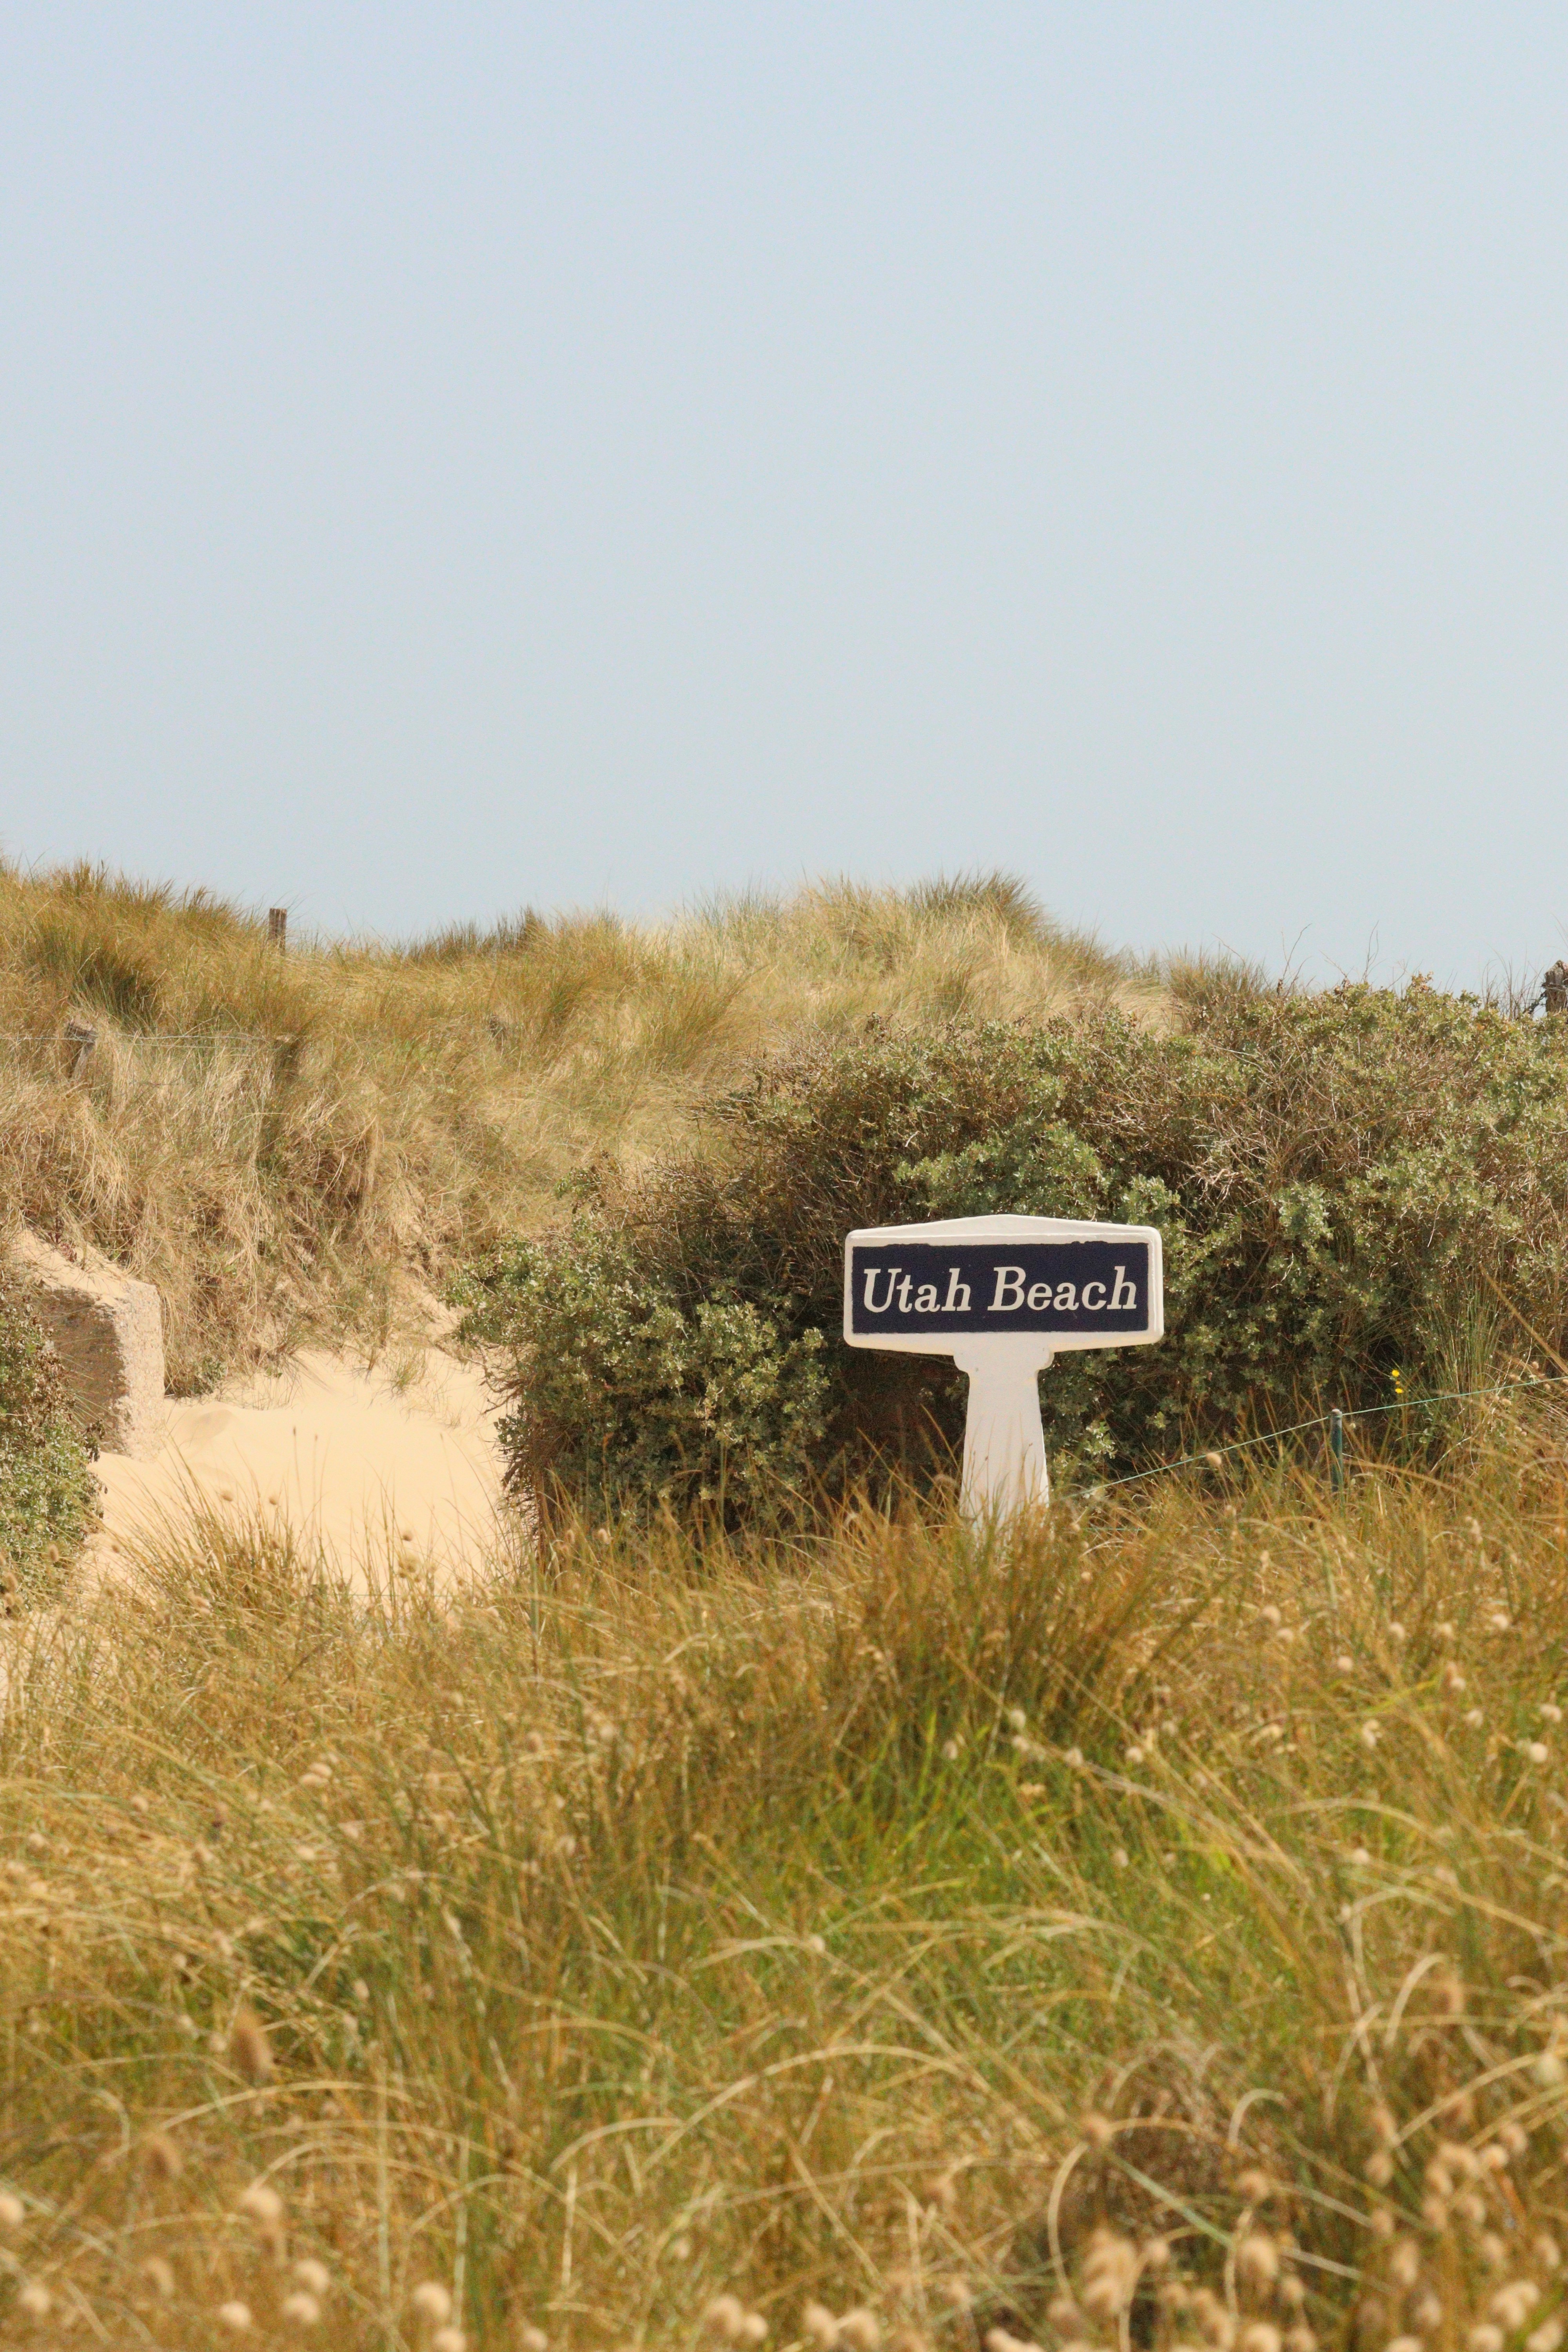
(1341, 1180)
(45, 1485)
(629, 1390)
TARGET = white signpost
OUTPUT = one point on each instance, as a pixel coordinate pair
(1003, 1296)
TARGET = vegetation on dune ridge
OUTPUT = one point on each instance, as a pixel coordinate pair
(1346, 1185)
(281, 1143)
(1137, 1928)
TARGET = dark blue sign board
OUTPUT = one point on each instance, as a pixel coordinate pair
(1065, 1283)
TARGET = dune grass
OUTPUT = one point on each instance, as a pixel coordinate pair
(293, 1146)
(1142, 1926)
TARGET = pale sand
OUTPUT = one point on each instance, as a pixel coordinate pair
(354, 1465)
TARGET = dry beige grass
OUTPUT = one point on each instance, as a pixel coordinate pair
(286, 1145)
(1147, 1928)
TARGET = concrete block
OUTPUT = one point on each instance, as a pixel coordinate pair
(108, 1332)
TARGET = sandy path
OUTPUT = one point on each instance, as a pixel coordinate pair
(351, 1461)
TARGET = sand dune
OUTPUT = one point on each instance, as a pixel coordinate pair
(353, 1460)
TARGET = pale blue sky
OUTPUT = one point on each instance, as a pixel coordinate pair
(456, 456)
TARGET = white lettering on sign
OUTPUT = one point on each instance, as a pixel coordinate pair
(1009, 1290)
(925, 1300)
(1007, 1297)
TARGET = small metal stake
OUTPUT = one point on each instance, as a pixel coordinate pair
(1337, 1451)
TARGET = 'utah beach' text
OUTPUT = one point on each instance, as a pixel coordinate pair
(1063, 1286)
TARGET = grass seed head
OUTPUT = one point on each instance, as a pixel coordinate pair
(162, 2157)
(250, 2052)
(262, 2203)
(300, 2309)
(1212, 2319)
(1257, 2260)
(1511, 2305)
(1109, 2274)
(432, 2302)
(1404, 2264)
(860, 2330)
(235, 2317)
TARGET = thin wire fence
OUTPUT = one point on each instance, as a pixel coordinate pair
(1213, 1453)
(137, 1040)
(140, 1043)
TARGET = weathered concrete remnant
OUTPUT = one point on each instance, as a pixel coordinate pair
(108, 1332)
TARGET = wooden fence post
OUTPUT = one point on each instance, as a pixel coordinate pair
(278, 928)
(81, 1039)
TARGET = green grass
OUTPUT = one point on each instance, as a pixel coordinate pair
(1143, 1926)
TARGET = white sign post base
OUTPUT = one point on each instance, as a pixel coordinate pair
(1005, 1466)
(1003, 1296)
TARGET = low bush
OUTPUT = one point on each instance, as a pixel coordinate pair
(45, 1485)
(1347, 1185)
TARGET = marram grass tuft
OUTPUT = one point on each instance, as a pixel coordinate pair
(1143, 1927)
